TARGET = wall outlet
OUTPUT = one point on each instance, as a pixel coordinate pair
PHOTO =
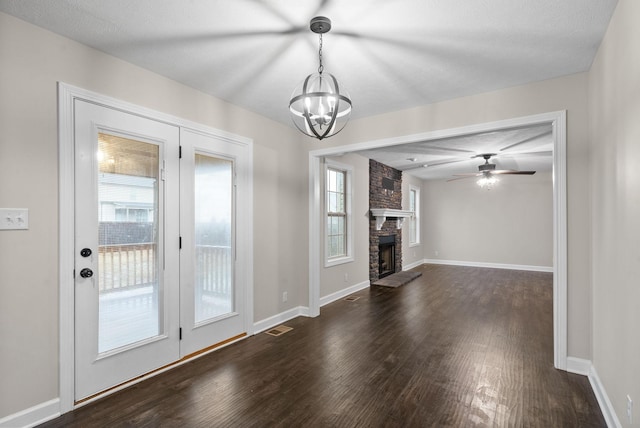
(284, 296)
(437, 253)
(630, 410)
(346, 277)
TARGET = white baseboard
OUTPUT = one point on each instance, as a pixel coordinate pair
(278, 319)
(343, 293)
(606, 407)
(578, 366)
(586, 368)
(490, 265)
(33, 416)
(413, 265)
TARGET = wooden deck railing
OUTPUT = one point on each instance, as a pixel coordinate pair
(126, 266)
(134, 265)
(213, 269)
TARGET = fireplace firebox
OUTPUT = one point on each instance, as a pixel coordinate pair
(386, 255)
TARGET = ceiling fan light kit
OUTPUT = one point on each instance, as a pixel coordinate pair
(487, 181)
(319, 106)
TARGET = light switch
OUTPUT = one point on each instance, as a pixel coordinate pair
(14, 218)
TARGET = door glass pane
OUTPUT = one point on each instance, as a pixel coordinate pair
(213, 237)
(128, 242)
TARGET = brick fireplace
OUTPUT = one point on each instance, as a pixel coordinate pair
(385, 191)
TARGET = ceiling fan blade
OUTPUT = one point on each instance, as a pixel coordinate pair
(505, 171)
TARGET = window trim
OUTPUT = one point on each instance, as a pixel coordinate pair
(348, 171)
(415, 217)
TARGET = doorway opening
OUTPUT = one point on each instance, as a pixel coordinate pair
(557, 121)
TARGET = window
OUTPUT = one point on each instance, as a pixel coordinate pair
(414, 224)
(336, 213)
(338, 207)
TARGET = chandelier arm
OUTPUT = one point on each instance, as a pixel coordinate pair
(306, 113)
(334, 113)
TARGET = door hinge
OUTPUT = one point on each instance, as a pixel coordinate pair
(179, 152)
(180, 243)
(180, 333)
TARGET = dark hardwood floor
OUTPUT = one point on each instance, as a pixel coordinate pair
(458, 347)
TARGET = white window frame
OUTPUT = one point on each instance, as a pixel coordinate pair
(415, 219)
(348, 170)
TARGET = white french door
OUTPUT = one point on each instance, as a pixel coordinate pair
(126, 293)
(156, 272)
(213, 302)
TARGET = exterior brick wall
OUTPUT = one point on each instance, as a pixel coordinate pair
(382, 198)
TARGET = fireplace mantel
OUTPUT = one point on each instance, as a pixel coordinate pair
(381, 215)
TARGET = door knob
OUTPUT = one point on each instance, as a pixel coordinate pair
(86, 273)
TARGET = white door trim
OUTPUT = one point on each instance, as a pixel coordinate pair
(66, 197)
(557, 119)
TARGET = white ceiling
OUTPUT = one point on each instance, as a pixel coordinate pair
(389, 54)
(519, 149)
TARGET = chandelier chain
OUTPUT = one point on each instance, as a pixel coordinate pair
(321, 67)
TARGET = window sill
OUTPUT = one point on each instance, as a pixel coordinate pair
(338, 261)
(415, 244)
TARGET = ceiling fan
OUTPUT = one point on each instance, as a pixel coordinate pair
(487, 172)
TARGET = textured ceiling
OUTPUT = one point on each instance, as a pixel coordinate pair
(389, 54)
(522, 149)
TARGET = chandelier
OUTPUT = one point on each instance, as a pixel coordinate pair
(319, 107)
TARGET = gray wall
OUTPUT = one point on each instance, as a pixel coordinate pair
(332, 279)
(510, 224)
(614, 99)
